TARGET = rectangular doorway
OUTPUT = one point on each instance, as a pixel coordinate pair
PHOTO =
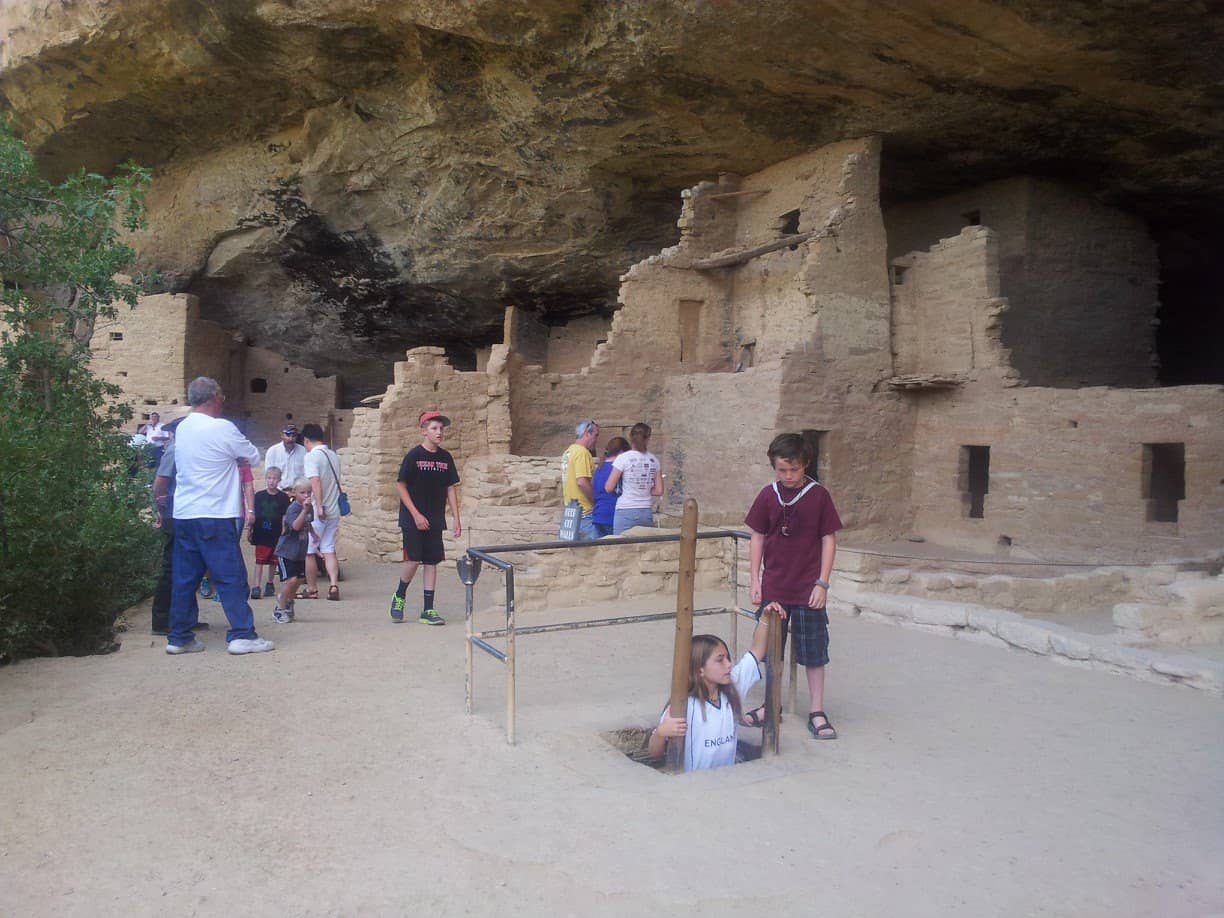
(973, 473)
(1164, 480)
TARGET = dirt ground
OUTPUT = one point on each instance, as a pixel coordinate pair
(339, 775)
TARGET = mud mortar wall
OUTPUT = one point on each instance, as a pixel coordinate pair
(165, 344)
(623, 382)
(721, 343)
(380, 436)
(1081, 278)
(143, 351)
(947, 308)
(570, 346)
(1066, 471)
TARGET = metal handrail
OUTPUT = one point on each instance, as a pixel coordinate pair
(469, 571)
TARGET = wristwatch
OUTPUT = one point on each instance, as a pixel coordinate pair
(822, 583)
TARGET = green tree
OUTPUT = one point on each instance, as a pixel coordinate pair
(76, 546)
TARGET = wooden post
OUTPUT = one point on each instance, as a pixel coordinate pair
(682, 652)
(773, 684)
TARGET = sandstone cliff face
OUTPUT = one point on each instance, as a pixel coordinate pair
(340, 180)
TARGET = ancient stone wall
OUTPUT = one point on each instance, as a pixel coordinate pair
(724, 340)
(142, 351)
(381, 435)
(946, 306)
(1080, 277)
(275, 393)
(1066, 471)
(624, 382)
(865, 438)
(571, 346)
(1089, 289)
(719, 425)
(155, 349)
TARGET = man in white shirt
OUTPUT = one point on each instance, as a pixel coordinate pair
(208, 509)
(323, 470)
(155, 431)
(288, 456)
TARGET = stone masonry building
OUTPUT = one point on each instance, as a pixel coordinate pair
(155, 349)
(976, 370)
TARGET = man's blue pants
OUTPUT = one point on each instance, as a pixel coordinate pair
(209, 545)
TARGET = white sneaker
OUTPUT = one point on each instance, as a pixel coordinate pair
(250, 645)
(194, 647)
(284, 616)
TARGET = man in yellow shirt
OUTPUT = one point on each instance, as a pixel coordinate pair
(577, 470)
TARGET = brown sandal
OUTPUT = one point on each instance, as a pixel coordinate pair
(333, 593)
(308, 594)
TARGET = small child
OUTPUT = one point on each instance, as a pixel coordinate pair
(716, 690)
(270, 507)
(292, 548)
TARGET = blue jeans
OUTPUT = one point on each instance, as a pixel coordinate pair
(208, 545)
(627, 519)
(586, 528)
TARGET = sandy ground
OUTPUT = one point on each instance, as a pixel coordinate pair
(339, 775)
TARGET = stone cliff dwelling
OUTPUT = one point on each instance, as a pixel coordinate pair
(977, 369)
(154, 350)
(999, 326)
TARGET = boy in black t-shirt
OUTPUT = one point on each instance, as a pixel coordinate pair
(270, 507)
(426, 485)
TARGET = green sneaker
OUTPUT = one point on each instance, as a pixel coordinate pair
(431, 617)
(397, 608)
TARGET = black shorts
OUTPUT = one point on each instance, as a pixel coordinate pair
(811, 630)
(423, 547)
(288, 568)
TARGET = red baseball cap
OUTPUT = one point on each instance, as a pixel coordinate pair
(427, 416)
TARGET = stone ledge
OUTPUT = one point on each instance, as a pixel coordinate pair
(1004, 628)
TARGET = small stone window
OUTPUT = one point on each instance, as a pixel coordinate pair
(1164, 480)
(788, 225)
(259, 385)
(116, 336)
(973, 474)
(898, 275)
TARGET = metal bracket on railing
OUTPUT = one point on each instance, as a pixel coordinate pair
(469, 569)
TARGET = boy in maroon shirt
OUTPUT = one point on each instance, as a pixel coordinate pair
(793, 522)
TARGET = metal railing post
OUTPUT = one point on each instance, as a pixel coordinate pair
(734, 598)
(467, 630)
(511, 699)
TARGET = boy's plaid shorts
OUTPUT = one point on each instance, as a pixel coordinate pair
(811, 630)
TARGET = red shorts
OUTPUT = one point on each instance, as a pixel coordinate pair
(265, 554)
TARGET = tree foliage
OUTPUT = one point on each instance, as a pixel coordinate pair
(76, 547)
